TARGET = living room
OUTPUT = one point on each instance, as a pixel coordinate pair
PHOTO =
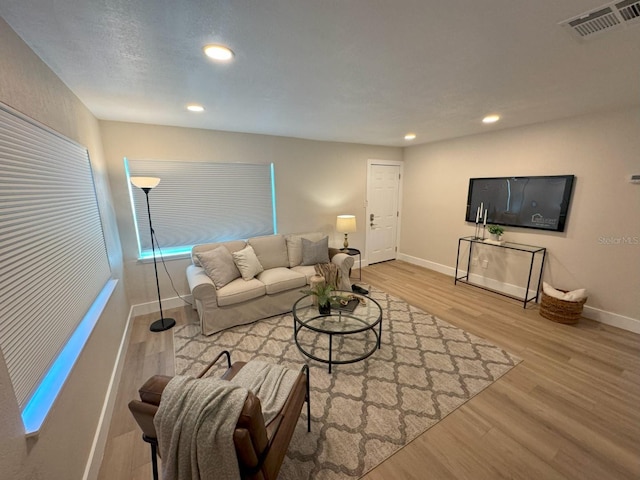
(315, 180)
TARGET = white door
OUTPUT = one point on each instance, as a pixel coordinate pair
(383, 212)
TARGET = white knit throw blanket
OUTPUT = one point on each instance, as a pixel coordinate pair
(195, 424)
(270, 383)
(197, 417)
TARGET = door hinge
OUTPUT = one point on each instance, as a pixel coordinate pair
(399, 176)
(396, 249)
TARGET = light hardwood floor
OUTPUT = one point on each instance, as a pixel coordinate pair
(568, 411)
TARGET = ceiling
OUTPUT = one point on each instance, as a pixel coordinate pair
(363, 71)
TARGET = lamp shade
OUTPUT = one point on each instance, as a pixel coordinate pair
(145, 182)
(346, 224)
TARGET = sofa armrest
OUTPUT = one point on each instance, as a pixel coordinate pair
(200, 284)
(345, 263)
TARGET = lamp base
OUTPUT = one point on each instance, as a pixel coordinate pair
(162, 325)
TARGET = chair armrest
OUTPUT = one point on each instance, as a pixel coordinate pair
(213, 362)
(143, 414)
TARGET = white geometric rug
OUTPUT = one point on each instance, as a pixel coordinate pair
(363, 412)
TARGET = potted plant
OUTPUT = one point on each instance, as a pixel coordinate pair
(496, 232)
(323, 293)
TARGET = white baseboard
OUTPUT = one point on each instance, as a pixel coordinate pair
(92, 468)
(613, 319)
(167, 303)
(427, 264)
(94, 461)
(602, 316)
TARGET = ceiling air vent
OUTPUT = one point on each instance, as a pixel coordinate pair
(629, 10)
(609, 17)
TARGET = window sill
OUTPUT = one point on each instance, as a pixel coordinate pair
(39, 405)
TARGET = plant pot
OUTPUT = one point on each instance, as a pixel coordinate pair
(325, 309)
(495, 237)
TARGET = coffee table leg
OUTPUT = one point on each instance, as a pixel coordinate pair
(330, 346)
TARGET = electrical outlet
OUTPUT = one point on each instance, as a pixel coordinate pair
(485, 263)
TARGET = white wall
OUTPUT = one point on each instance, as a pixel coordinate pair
(315, 182)
(601, 150)
(63, 446)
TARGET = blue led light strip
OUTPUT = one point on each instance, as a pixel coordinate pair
(273, 199)
(40, 403)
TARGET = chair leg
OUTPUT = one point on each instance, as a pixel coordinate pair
(308, 398)
(154, 454)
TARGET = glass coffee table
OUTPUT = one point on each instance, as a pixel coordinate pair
(358, 330)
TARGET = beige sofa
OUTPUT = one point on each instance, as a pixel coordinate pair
(223, 298)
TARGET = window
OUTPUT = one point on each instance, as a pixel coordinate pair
(202, 202)
(53, 259)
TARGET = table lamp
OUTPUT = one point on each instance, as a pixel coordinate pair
(346, 224)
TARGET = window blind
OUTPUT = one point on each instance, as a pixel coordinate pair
(202, 202)
(53, 258)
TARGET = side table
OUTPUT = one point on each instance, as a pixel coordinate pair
(353, 252)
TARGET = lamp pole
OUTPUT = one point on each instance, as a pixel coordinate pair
(164, 323)
(146, 184)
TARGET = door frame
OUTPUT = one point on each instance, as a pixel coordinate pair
(394, 163)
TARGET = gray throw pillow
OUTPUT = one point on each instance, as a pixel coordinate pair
(218, 264)
(315, 252)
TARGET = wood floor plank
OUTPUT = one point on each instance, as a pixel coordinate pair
(568, 411)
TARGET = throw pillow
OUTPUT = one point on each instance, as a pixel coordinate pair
(247, 262)
(572, 296)
(315, 252)
(219, 265)
(576, 295)
(294, 246)
(552, 292)
(271, 250)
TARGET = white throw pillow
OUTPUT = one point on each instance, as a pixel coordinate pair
(576, 295)
(552, 292)
(247, 262)
(219, 265)
(572, 296)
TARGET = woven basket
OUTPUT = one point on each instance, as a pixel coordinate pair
(561, 311)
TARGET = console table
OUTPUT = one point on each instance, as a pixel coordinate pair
(530, 249)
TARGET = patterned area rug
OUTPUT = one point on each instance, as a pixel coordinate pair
(363, 412)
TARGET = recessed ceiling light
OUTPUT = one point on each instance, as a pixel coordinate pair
(410, 136)
(195, 108)
(491, 119)
(218, 52)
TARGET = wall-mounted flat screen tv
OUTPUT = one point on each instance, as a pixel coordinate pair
(531, 202)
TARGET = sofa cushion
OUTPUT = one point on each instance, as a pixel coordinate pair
(315, 252)
(219, 265)
(307, 270)
(294, 246)
(247, 262)
(232, 246)
(279, 279)
(240, 290)
(271, 250)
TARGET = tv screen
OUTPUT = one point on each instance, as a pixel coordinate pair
(530, 202)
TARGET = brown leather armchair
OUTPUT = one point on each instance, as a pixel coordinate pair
(260, 448)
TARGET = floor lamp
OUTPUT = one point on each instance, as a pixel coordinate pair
(146, 184)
